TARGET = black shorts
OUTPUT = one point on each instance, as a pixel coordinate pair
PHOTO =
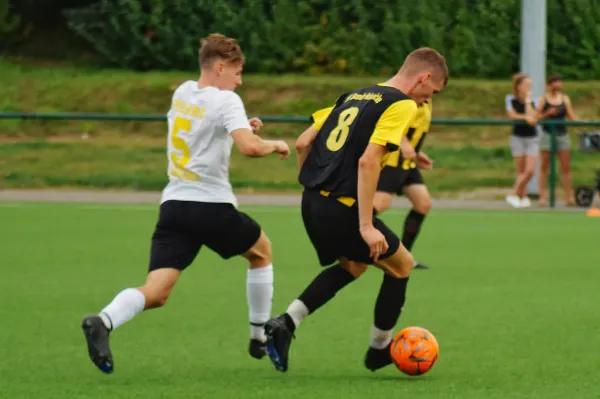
(394, 179)
(185, 226)
(333, 229)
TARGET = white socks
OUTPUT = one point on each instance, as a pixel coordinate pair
(126, 305)
(380, 338)
(259, 291)
(130, 302)
(297, 311)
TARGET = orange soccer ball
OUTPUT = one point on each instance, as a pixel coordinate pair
(414, 350)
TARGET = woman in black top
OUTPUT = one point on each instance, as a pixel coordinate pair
(556, 105)
(524, 141)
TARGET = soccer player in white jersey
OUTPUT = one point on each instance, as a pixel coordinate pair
(198, 206)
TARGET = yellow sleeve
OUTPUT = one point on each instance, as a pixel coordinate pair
(320, 116)
(391, 159)
(422, 121)
(427, 119)
(394, 123)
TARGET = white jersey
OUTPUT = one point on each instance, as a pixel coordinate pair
(199, 143)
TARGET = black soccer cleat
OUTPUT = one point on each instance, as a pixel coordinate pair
(257, 349)
(96, 335)
(421, 266)
(279, 332)
(378, 358)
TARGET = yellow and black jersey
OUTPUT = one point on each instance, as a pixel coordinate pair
(415, 135)
(376, 114)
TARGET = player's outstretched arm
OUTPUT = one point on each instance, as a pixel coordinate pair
(252, 145)
(241, 129)
(304, 144)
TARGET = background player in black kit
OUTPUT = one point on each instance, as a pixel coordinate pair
(340, 158)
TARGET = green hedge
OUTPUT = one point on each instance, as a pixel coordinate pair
(8, 21)
(480, 38)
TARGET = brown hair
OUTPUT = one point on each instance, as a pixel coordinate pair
(217, 46)
(426, 58)
(553, 78)
(517, 78)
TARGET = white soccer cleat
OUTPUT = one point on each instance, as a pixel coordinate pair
(514, 201)
(525, 202)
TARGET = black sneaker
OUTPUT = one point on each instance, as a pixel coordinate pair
(96, 335)
(378, 358)
(257, 349)
(279, 332)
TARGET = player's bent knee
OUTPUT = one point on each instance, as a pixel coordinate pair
(399, 265)
(381, 207)
(354, 268)
(404, 267)
(260, 255)
(423, 206)
(159, 284)
(382, 201)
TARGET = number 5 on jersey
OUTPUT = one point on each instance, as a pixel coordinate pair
(181, 156)
(339, 134)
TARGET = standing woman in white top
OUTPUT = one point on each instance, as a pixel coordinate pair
(524, 140)
(198, 206)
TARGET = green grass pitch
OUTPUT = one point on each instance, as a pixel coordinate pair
(512, 298)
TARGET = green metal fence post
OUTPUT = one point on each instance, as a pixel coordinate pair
(552, 174)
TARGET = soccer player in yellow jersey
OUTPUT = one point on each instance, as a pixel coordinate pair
(402, 177)
(340, 158)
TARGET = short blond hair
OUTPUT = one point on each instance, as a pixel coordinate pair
(219, 47)
(426, 58)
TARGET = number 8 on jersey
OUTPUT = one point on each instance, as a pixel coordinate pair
(339, 134)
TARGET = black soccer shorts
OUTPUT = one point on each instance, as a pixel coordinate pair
(333, 229)
(394, 179)
(183, 227)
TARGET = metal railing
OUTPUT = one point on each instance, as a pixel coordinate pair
(288, 119)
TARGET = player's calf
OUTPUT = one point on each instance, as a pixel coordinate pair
(158, 287)
(154, 299)
(391, 298)
(421, 205)
(321, 290)
(125, 306)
